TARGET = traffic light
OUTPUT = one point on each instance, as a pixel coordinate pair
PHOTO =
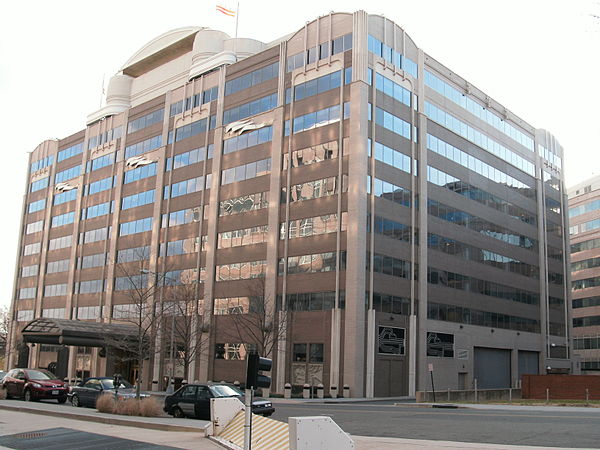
(255, 365)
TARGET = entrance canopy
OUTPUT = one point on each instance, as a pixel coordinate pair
(76, 332)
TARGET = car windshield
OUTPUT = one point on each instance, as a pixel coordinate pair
(110, 384)
(223, 390)
(40, 375)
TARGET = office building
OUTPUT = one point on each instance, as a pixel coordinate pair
(336, 199)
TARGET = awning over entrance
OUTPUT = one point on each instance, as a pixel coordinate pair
(76, 332)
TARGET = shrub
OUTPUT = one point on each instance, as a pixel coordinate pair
(145, 407)
(106, 404)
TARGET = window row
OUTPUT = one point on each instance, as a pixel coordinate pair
(389, 265)
(313, 226)
(321, 51)
(478, 138)
(144, 146)
(104, 137)
(191, 157)
(246, 171)
(250, 109)
(206, 96)
(478, 166)
(145, 121)
(392, 56)
(246, 236)
(245, 203)
(313, 154)
(41, 163)
(314, 263)
(480, 111)
(481, 256)
(70, 152)
(66, 196)
(252, 79)
(468, 316)
(247, 140)
(186, 187)
(480, 225)
(471, 192)
(240, 271)
(192, 129)
(482, 287)
(39, 184)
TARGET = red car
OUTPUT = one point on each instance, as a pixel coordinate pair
(34, 384)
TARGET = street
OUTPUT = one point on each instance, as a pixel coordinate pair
(517, 426)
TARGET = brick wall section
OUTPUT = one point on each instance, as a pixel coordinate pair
(567, 387)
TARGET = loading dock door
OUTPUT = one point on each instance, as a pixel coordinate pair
(492, 368)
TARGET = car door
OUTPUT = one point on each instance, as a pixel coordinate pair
(19, 383)
(202, 410)
(187, 400)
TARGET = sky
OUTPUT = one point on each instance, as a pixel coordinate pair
(539, 58)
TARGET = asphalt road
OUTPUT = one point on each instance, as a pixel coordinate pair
(567, 429)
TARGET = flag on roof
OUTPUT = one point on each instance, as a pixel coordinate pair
(227, 12)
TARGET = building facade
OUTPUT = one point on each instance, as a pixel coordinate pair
(584, 231)
(336, 199)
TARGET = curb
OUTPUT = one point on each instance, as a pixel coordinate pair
(109, 420)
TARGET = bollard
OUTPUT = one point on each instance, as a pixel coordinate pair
(448, 395)
(333, 391)
(587, 396)
(287, 390)
(346, 391)
(320, 390)
(306, 391)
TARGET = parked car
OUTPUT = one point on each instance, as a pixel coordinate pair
(34, 384)
(87, 392)
(193, 400)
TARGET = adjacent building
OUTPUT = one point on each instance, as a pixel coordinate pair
(584, 230)
(336, 199)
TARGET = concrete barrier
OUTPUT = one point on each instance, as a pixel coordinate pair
(469, 395)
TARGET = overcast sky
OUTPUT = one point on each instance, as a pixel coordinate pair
(539, 58)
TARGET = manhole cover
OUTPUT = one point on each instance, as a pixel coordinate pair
(32, 435)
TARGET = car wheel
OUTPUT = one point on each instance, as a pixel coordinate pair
(177, 413)
(27, 396)
(75, 401)
(62, 400)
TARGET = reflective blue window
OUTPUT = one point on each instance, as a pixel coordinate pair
(36, 206)
(139, 199)
(42, 163)
(253, 78)
(67, 174)
(99, 163)
(145, 121)
(188, 158)
(99, 186)
(65, 197)
(97, 210)
(478, 138)
(139, 173)
(136, 226)
(70, 152)
(143, 147)
(478, 110)
(250, 109)
(40, 184)
(63, 219)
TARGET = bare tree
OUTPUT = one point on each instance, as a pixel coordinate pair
(255, 320)
(183, 323)
(139, 286)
